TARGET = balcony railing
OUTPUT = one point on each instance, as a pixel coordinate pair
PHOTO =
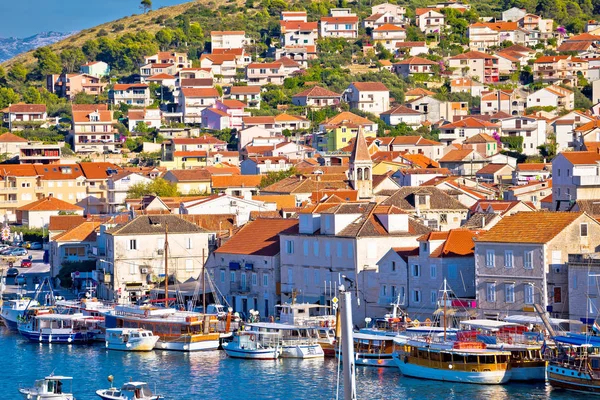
(593, 180)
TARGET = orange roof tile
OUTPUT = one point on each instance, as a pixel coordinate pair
(63, 223)
(227, 181)
(260, 237)
(11, 138)
(581, 157)
(458, 243)
(49, 204)
(200, 92)
(370, 86)
(97, 170)
(27, 108)
(85, 232)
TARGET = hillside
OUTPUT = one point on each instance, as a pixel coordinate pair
(11, 47)
(131, 24)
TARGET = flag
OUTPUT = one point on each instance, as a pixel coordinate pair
(596, 327)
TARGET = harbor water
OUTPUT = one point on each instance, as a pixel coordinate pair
(211, 375)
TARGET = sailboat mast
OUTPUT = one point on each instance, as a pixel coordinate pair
(203, 283)
(166, 266)
(444, 300)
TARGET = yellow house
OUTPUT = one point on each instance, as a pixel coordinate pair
(340, 129)
(190, 181)
(382, 167)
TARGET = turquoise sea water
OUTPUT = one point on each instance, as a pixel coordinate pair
(213, 376)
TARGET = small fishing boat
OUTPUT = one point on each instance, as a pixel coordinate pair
(13, 310)
(254, 345)
(296, 341)
(129, 391)
(129, 339)
(49, 388)
(59, 328)
(372, 350)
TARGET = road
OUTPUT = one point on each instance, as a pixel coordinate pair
(38, 269)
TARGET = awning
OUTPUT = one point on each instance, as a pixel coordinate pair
(234, 266)
(526, 319)
(578, 340)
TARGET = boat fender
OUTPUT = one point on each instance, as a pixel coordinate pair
(405, 359)
(146, 313)
(416, 323)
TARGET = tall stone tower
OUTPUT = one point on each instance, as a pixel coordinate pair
(361, 167)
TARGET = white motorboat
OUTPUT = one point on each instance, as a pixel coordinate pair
(130, 339)
(13, 310)
(296, 341)
(254, 345)
(49, 388)
(129, 391)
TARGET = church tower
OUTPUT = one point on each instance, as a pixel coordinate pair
(361, 167)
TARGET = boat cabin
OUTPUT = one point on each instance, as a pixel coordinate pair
(306, 314)
(54, 385)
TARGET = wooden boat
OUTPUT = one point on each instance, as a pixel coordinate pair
(254, 345)
(526, 361)
(59, 328)
(49, 388)
(296, 341)
(575, 364)
(126, 339)
(373, 350)
(178, 330)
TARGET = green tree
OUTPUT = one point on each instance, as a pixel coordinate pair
(146, 5)
(32, 95)
(7, 97)
(159, 187)
(164, 37)
(84, 98)
(48, 62)
(18, 73)
(273, 177)
(71, 59)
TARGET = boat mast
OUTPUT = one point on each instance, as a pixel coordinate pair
(347, 346)
(203, 283)
(444, 300)
(166, 266)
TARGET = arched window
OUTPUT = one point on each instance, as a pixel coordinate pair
(366, 174)
(359, 174)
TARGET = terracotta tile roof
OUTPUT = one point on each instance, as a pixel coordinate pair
(196, 83)
(480, 138)
(296, 184)
(11, 138)
(519, 48)
(127, 86)
(534, 167)
(420, 160)
(196, 92)
(218, 59)
(419, 92)
(219, 223)
(260, 237)
(85, 232)
(298, 26)
(61, 223)
(370, 86)
(403, 45)
(401, 110)
(217, 33)
(456, 155)
(581, 157)
(405, 199)
(58, 171)
(27, 108)
(97, 170)
(472, 55)
(260, 120)
(570, 45)
(84, 116)
(345, 117)
(204, 139)
(235, 52)
(316, 91)
(588, 126)
(458, 243)
(234, 181)
(416, 60)
(492, 168)
(191, 154)
(414, 140)
(405, 252)
(529, 227)
(267, 65)
(464, 82)
(160, 77)
(188, 175)
(389, 27)
(49, 204)
(425, 171)
(89, 107)
(585, 37)
(550, 59)
(282, 200)
(287, 117)
(469, 122)
(342, 195)
(244, 90)
(494, 96)
(232, 103)
(339, 20)
(374, 17)
(502, 26)
(421, 11)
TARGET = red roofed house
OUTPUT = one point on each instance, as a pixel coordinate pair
(271, 72)
(296, 31)
(388, 35)
(226, 114)
(559, 68)
(93, 131)
(68, 85)
(148, 70)
(418, 145)
(476, 64)
(466, 85)
(554, 96)
(180, 147)
(137, 94)
(575, 176)
(459, 131)
(340, 23)
(402, 114)
(193, 101)
(180, 60)
(224, 65)
(430, 20)
(411, 48)
(21, 116)
(246, 94)
(371, 97)
(149, 116)
(413, 66)
(37, 214)
(316, 97)
(264, 165)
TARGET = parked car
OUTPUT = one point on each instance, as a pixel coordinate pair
(36, 246)
(12, 273)
(18, 252)
(26, 263)
(7, 250)
(4, 246)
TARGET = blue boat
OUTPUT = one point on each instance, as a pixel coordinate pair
(59, 328)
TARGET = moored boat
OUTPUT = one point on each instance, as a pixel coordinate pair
(59, 328)
(575, 364)
(178, 330)
(254, 345)
(49, 388)
(296, 341)
(13, 310)
(129, 391)
(373, 350)
(127, 339)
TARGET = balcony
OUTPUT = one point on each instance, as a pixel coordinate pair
(9, 189)
(238, 288)
(593, 180)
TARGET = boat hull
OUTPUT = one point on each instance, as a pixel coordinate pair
(370, 360)
(303, 351)
(146, 344)
(33, 394)
(204, 345)
(561, 378)
(257, 354)
(482, 378)
(523, 374)
(67, 338)
(102, 394)
(9, 323)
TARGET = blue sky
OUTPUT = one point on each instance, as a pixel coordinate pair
(22, 18)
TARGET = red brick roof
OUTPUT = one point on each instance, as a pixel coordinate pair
(472, 55)
(244, 90)
(200, 92)
(11, 138)
(581, 157)
(259, 238)
(317, 91)
(370, 86)
(227, 181)
(27, 108)
(50, 204)
(124, 86)
(416, 60)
